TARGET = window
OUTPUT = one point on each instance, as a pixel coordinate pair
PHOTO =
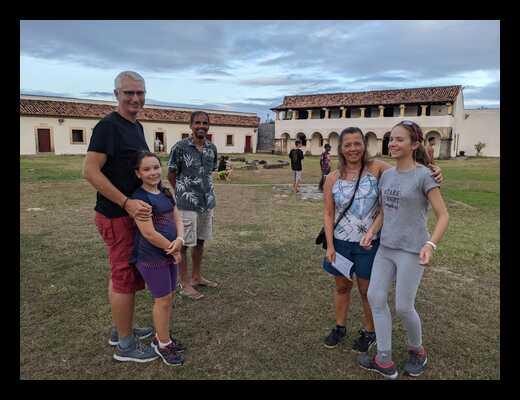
(185, 135)
(229, 140)
(78, 136)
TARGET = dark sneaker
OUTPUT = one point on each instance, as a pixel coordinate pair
(365, 341)
(168, 354)
(141, 333)
(369, 362)
(177, 346)
(416, 363)
(335, 336)
(137, 352)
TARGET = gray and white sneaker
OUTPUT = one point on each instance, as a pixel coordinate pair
(416, 363)
(369, 362)
(136, 352)
(140, 333)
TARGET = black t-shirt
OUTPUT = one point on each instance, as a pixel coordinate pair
(120, 140)
(296, 156)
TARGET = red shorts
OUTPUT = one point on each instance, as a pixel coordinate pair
(118, 235)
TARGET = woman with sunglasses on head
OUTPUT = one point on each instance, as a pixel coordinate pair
(405, 247)
(356, 179)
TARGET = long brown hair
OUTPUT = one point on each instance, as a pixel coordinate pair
(342, 159)
(144, 154)
(416, 135)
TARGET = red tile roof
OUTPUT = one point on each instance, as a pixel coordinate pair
(376, 97)
(53, 108)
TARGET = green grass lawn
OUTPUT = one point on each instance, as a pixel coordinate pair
(268, 318)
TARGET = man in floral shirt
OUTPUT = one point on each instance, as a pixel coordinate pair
(192, 160)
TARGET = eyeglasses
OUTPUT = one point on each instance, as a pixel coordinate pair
(132, 93)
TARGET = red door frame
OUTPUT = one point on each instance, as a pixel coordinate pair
(247, 147)
(44, 144)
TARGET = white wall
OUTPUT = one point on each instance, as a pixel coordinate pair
(61, 134)
(61, 141)
(481, 126)
(458, 125)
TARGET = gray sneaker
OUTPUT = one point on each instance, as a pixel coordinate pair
(141, 333)
(137, 352)
(416, 363)
(369, 362)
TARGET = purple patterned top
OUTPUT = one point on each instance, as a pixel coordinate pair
(145, 253)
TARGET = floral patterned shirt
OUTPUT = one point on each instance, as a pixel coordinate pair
(194, 183)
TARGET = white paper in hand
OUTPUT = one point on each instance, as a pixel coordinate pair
(343, 265)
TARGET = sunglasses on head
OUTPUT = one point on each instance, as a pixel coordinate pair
(414, 127)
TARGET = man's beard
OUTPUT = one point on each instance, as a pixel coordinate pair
(200, 133)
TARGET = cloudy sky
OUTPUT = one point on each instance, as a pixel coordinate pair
(250, 65)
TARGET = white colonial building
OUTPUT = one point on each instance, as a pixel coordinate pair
(64, 126)
(439, 111)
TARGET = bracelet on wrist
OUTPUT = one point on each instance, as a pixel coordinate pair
(433, 245)
(124, 203)
(181, 239)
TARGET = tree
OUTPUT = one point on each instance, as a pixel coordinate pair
(479, 146)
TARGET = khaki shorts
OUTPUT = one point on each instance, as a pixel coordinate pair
(197, 226)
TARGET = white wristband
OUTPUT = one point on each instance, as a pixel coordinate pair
(434, 246)
(181, 239)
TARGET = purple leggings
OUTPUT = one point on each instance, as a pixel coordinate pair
(161, 281)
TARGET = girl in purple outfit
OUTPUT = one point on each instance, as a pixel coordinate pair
(156, 253)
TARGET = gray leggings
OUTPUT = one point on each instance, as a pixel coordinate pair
(402, 267)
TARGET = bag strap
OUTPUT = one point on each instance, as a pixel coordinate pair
(351, 199)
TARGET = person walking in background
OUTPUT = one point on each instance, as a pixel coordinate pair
(296, 156)
(324, 165)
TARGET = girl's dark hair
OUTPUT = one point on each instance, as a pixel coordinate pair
(342, 160)
(416, 135)
(140, 157)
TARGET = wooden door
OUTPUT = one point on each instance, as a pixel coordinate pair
(247, 148)
(44, 140)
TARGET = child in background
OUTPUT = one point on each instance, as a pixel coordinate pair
(224, 169)
(157, 246)
(324, 165)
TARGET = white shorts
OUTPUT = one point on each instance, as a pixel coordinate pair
(297, 176)
(197, 226)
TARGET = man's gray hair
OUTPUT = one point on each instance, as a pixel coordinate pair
(129, 74)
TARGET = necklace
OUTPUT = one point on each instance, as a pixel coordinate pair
(351, 174)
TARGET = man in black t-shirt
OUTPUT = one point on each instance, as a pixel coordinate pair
(296, 156)
(109, 168)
